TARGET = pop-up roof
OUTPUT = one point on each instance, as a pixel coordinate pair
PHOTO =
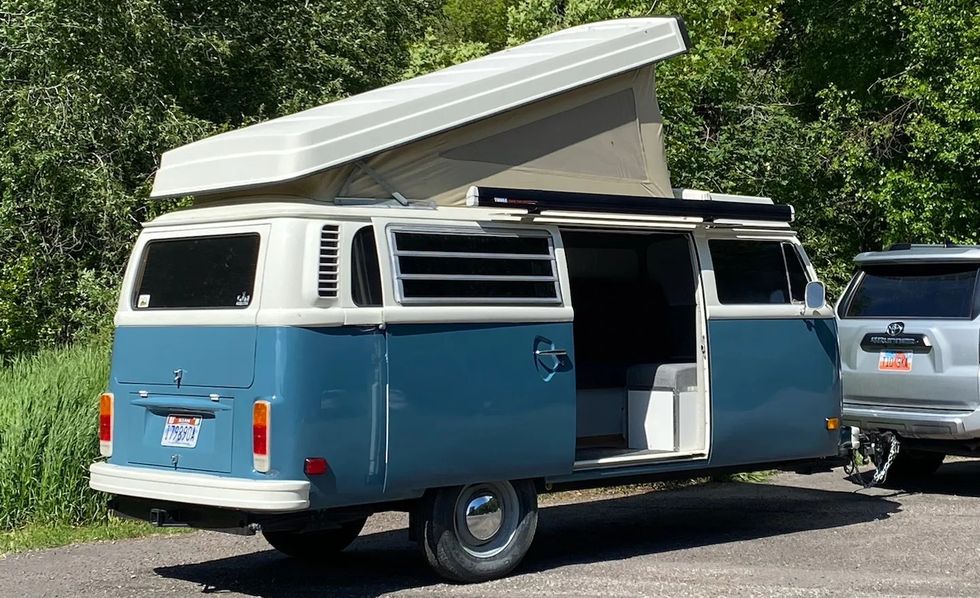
(572, 111)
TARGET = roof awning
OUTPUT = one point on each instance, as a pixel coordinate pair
(574, 110)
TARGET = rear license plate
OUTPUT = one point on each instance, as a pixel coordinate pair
(181, 430)
(895, 361)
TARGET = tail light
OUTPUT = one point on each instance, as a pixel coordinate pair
(261, 414)
(105, 424)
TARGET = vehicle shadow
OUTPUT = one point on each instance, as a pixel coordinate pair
(958, 477)
(600, 530)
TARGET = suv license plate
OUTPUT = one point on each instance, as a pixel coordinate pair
(895, 361)
(181, 430)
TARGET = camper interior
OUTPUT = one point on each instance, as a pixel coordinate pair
(638, 376)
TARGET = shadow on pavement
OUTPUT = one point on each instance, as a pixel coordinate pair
(596, 531)
(953, 478)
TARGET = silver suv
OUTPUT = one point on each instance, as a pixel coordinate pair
(910, 351)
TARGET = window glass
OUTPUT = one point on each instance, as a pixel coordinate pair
(467, 243)
(365, 270)
(750, 271)
(198, 273)
(474, 266)
(914, 291)
(490, 268)
(795, 272)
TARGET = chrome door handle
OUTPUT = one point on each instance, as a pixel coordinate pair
(552, 352)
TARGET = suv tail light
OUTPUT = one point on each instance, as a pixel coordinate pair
(105, 424)
(261, 419)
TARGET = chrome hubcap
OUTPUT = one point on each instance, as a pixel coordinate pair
(484, 516)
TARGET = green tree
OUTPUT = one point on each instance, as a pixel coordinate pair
(92, 93)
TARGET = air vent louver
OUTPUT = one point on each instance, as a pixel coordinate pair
(329, 256)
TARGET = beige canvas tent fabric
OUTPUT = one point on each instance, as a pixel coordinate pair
(606, 137)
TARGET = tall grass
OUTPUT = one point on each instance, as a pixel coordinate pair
(48, 436)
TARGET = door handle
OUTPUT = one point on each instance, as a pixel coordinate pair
(552, 352)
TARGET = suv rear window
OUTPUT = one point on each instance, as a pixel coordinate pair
(198, 273)
(914, 291)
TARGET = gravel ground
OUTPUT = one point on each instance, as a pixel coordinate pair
(798, 535)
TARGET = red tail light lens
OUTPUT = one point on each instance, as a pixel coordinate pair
(105, 424)
(261, 419)
(315, 466)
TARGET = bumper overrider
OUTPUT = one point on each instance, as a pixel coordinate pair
(270, 496)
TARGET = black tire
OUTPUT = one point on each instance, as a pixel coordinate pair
(455, 552)
(911, 465)
(315, 545)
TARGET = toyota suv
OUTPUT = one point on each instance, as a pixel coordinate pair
(910, 351)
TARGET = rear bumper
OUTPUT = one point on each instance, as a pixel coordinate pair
(270, 496)
(939, 425)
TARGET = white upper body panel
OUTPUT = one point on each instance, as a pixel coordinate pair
(286, 278)
(291, 147)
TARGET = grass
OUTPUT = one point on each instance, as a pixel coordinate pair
(48, 437)
(51, 535)
(751, 477)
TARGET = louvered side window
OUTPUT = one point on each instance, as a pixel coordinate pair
(457, 267)
(329, 260)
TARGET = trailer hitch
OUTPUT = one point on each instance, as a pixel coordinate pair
(881, 448)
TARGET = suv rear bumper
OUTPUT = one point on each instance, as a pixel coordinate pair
(272, 496)
(941, 425)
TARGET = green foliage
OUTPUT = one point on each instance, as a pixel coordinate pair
(864, 115)
(92, 93)
(48, 423)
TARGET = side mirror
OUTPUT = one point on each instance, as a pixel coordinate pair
(815, 296)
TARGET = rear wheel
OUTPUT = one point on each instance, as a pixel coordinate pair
(911, 465)
(481, 531)
(310, 545)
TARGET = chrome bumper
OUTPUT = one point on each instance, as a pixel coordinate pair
(201, 489)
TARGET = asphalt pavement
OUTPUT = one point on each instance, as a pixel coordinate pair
(817, 535)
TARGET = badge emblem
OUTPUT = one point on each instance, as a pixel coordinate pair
(178, 377)
(896, 328)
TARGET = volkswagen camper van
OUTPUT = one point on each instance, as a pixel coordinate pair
(356, 316)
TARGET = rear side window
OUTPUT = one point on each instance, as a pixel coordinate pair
(757, 272)
(914, 291)
(198, 273)
(515, 268)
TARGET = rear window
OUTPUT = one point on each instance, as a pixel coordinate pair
(757, 272)
(198, 273)
(914, 291)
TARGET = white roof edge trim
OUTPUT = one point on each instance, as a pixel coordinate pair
(291, 147)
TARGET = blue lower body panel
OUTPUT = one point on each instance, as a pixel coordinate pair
(774, 383)
(474, 403)
(417, 406)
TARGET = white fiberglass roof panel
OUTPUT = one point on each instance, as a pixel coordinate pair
(341, 132)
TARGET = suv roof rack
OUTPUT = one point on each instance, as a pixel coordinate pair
(907, 246)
